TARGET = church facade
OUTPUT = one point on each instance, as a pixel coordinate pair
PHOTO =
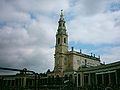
(66, 60)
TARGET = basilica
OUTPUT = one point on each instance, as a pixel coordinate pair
(73, 70)
(80, 69)
(70, 61)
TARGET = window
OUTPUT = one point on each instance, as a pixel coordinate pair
(60, 24)
(78, 62)
(85, 62)
(63, 24)
(64, 40)
(58, 40)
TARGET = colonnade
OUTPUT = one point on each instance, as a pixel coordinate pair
(16, 82)
(105, 78)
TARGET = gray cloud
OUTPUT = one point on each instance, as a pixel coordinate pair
(112, 55)
(39, 6)
(18, 50)
(94, 23)
(88, 7)
(101, 28)
(25, 41)
(108, 54)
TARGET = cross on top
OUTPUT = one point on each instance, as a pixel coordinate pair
(61, 11)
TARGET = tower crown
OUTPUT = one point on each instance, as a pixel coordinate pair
(61, 26)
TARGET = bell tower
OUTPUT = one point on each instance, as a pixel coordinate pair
(61, 47)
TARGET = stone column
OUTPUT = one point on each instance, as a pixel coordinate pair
(24, 82)
(18, 82)
(103, 79)
(89, 81)
(96, 78)
(116, 77)
(82, 79)
(109, 78)
(77, 80)
(15, 83)
(10, 82)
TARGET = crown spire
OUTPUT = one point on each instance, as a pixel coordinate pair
(62, 12)
(61, 15)
(61, 26)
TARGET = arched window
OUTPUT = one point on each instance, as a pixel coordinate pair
(64, 40)
(60, 25)
(58, 40)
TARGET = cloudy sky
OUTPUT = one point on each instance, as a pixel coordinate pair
(28, 28)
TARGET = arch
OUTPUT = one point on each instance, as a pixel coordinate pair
(57, 76)
(52, 80)
(49, 80)
(66, 77)
(70, 76)
(57, 80)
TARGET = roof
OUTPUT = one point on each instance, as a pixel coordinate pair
(84, 55)
(105, 66)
